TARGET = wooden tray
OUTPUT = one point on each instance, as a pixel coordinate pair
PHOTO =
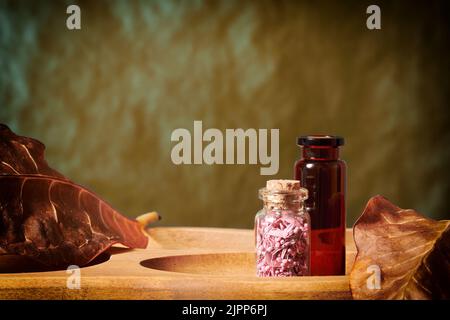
(179, 263)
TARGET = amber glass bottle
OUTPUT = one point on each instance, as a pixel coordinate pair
(324, 175)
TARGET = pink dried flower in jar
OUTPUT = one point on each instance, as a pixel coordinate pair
(282, 231)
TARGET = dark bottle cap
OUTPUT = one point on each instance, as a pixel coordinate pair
(320, 141)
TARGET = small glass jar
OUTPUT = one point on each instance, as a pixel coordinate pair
(282, 231)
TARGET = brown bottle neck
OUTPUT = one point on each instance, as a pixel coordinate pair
(320, 153)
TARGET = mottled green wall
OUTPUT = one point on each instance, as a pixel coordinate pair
(106, 99)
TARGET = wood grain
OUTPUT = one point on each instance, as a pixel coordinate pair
(179, 263)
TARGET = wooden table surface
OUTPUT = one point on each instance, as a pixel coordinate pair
(179, 263)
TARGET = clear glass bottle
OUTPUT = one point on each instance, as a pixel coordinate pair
(282, 231)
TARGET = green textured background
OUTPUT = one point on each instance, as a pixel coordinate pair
(105, 99)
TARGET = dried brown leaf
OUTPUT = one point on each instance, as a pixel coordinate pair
(50, 219)
(411, 251)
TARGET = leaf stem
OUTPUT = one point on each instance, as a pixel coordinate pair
(147, 218)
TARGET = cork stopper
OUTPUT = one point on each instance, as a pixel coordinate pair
(283, 185)
(286, 194)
